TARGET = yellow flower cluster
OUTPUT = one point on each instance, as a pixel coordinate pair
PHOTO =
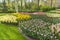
(22, 16)
(8, 19)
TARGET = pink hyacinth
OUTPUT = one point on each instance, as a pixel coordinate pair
(52, 27)
(58, 30)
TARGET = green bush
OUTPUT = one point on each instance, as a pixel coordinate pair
(11, 10)
(46, 8)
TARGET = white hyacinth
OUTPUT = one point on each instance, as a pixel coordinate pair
(8, 19)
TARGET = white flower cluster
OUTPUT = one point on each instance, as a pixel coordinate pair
(53, 15)
(8, 19)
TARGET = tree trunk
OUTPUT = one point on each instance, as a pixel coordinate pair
(21, 5)
(4, 6)
(51, 3)
(16, 6)
(25, 3)
(38, 4)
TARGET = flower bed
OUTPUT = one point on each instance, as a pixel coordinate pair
(40, 27)
(13, 18)
(8, 19)
(35, 28)
(21, 16)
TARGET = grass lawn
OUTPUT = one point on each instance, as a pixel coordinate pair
(10, 32)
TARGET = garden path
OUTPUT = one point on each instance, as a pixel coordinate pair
(42, 13)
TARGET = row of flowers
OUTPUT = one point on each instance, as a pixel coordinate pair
(13, 18)
(22, 16)
(8, 19)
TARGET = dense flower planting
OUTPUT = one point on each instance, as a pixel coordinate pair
(8, 19)
(53, 15)
(13, 18)
(37, 28)
(40, 27)
(22, 16)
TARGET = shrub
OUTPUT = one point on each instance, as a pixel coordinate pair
(46, 8)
